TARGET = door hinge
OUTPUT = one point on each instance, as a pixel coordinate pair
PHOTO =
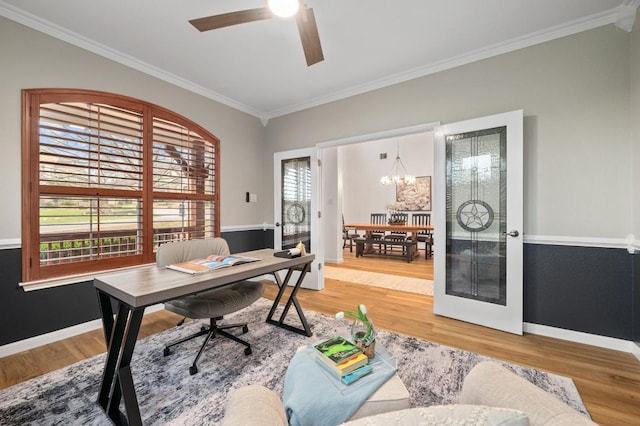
(319, 162)
(319, 214)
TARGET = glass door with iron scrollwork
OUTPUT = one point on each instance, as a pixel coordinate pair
(296, 202)
(479, 279)
(295, 198)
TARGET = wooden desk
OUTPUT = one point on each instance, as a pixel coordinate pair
(369, 227)
(132, 291)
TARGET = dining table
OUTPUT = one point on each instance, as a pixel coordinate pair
(369, 228)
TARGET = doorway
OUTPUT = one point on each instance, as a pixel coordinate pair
(351, 172)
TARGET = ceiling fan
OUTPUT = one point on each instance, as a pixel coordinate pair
(305, 19)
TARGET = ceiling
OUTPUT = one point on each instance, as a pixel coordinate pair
(259, 67)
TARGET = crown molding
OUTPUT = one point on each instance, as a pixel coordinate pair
(56, 31)
(623, 16)
(594, 21)
(627, 14)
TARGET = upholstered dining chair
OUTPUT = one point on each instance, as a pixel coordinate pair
(425, 237)
(211, 304)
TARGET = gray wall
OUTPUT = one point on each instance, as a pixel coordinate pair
(579, 152)
(31, 59)
(575, 96)
(635, 119)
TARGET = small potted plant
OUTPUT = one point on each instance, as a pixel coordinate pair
(363, 334)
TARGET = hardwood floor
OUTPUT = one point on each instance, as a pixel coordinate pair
(608, 381)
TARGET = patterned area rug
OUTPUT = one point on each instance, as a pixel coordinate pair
(394, 282)
(167, 394)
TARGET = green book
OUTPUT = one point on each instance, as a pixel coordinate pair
(337, 349)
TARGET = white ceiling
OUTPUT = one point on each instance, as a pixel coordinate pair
(259, 67)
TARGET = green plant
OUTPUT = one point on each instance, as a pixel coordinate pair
(360, 315)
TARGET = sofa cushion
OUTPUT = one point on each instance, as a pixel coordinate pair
(456, 414)
(254, 405)
(491, 384)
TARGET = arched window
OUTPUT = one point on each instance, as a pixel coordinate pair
(106, 178)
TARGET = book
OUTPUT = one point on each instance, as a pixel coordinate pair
(210, 263)
(337, 349)
(356, 374)
(345, 367)
(340, 356)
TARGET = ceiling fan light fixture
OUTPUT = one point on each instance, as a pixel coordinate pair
(283, 8)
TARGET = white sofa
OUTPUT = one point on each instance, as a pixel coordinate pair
(491, 395)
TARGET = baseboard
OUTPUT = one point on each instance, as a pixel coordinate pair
(635, 350)
(580, 337)
(54, 336)
(542, 330)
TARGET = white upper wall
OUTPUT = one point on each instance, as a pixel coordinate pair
(575, 93)
(362, 169)
(33, 60)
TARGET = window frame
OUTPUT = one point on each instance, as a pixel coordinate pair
(32, 99)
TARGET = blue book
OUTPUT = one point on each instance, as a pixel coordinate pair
(347, 379)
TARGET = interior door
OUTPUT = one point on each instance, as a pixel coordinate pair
(478, 221)
(296, 218)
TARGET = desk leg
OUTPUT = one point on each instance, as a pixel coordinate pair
(117, 382)
(306, 330)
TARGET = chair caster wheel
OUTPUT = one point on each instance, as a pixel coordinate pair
(166, 352)
(193, 370)
(245, 329)
(247, 351)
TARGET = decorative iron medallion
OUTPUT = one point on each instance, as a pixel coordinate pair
(474, 215)
(296, 213)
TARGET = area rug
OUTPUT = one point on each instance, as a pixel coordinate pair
(394, 282)
(167, 394)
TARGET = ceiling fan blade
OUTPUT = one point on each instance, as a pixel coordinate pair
(231, 18)
(309, 36)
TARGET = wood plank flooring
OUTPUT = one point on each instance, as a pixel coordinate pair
(608, 381)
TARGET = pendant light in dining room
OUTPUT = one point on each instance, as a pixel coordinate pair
(396, 177)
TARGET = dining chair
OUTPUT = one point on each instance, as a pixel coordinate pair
(425, 237)
(378, 219)
(348, 236)
(398, 218)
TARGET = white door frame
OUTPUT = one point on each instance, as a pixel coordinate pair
(315, 278)
(510, 317)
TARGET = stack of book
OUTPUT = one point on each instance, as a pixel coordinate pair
(344, 359)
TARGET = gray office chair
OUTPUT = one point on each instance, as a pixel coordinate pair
(211, 304)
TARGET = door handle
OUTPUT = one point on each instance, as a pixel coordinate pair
(513, 233)
(277, 224)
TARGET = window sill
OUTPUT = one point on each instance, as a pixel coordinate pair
(73, 279)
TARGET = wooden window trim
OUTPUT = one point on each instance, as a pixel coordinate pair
(32, 191)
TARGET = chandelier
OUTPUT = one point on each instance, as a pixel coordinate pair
(396, 177)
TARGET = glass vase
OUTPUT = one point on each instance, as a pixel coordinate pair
(363, 335)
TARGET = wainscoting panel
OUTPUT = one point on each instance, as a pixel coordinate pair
(583, 289)
(636, 301)
(593, 290)
(28, 314)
